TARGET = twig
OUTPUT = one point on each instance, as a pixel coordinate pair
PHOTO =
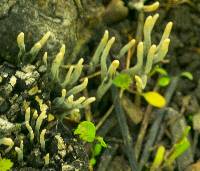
(88, 113)
(105, 117)
(151, 138)
(92, 75)
(107, 157)
(143, 128)
(195, 142)
(107, 126)
(156, 124)
(177, 129)
(124, 129)
(142, 131)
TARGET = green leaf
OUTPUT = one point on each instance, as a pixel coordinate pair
(86, 131)
(158, 70)
(101, 141)
(164, 81)
(161, 71)
(97, 149)
(122, 81)
(5, 164)
(92, 161)
(154, 99)
(180, 147)
(158, 158)
(187, 75)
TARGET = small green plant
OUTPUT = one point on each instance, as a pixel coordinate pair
(155, 99)
(163, 81)
(87, 132)
(159, 157)
(187, 75)
(178, 148)
(96, 151)
(164, 158)
(5, 164)
(159, 70)
(122, 81)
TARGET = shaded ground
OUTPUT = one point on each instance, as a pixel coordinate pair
(166, 125)
(184, 55)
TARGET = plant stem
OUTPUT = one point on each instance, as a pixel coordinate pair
(143, 128)
(107, 157)
(105, 117)
(88, 113)
(156, 124)
(124, 129)
(142, 131)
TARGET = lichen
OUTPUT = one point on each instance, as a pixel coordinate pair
(27, 89)
(39, 87)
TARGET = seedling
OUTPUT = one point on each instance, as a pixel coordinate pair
(96, 151)
(159, 70)
(122, 81)
(187, 75)
(87, 132)
(179, 148)
(166, 159)
(158, 158)
(163, 81)
(5, 164)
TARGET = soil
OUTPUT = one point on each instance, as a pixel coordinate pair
(169, 125)
(184, 55)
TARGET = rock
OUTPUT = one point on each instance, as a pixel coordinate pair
(35, 18)
(194, 167)
(196, 122)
